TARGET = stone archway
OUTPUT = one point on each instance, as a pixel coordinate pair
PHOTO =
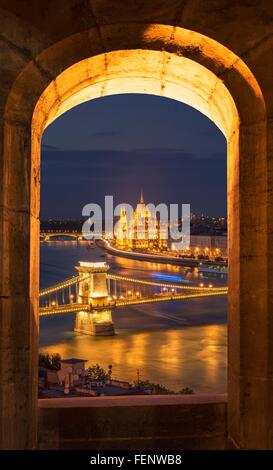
(179, 64)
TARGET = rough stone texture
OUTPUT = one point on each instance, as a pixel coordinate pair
(149, 422)
(215, 55)
(87, 323)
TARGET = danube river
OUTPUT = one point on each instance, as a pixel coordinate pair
(176, 344)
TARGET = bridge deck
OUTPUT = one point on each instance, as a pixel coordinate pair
(76, 307)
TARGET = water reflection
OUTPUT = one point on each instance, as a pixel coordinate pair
(194, 357)
(176, 344)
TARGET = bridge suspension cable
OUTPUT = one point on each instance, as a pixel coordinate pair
(182, 296)
(61, 285)
(121, 291)
(168, 286)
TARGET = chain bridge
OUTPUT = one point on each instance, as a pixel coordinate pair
(94, 292)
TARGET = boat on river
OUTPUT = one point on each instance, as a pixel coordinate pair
(213, 269)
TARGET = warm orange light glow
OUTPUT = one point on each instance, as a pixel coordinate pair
(96, 264)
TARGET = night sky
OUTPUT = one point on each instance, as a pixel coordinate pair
(119, 144)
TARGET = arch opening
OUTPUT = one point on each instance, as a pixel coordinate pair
(132, 116)
(197, 71)
(138, 71)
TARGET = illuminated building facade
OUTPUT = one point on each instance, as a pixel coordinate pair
(207, 245)
(142, 231)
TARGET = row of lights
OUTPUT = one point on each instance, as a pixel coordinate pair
(54, 303)
(51, 290)
(202, 285)
(51, 312)
(128, 279)
(69, 282)
(129, 293)
(121, 297)
(183, 297)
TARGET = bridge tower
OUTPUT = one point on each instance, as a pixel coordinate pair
(93, 290)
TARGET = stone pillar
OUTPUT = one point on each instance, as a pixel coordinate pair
(93, 291)
(96, 322)
(269, 410)
(93, 283)
(250, 395)
(98, 294)
(19, 286)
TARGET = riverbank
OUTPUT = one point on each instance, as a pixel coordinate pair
(148, 257)
(154, 258)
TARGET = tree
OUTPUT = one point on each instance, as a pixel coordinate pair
(50, 361)
(186, 391)
(110, 367)
(96, 372)
(156, 389)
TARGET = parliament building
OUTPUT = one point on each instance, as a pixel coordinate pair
(143, 231)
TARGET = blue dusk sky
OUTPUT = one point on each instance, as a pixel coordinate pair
(119, 144)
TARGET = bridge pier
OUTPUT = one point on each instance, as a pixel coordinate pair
(93, 290)
(95, 323)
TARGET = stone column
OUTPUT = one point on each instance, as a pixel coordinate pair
(98, 320)
(98, 293)
(248, 327)
(19, 284)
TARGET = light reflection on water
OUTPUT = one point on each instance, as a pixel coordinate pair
(177, 344)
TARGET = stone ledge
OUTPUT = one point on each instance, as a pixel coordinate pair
(145, 422)
(133, 400)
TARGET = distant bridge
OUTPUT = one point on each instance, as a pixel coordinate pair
(49, 235)
(96, 292)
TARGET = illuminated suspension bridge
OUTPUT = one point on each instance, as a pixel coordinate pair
(94, 292)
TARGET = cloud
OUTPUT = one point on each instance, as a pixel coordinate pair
(50, 148)
(113, 159)
(54, 155)
(106, 134)
(119, 160)
(155, 150)
(111, 164)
